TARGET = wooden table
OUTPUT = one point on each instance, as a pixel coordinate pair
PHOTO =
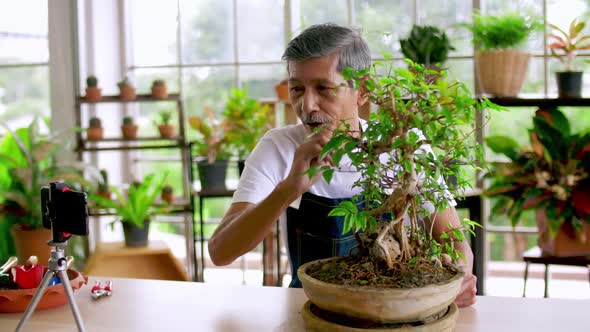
(155, 305)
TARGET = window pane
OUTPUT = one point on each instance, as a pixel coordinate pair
(509, 247)
(207, 37)
(320, 11)
(461, 70)
(206, 86)
(153, 30)
(142, 78)
(24, 93)
(381, 31)
(261, 33)
(23, 31)
(445, 14)
(260, 80)
(514, 123)
(535, 77)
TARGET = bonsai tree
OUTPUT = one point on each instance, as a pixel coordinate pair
(167, 194)
(129, 128)
(163, 124)
(248, 120)
(126, 90)
(417, 135)
(93, 92)
(159, 89)
(552, 177)
(501, 67)
(427, 45)
(569, 82)
(95, 132)
(136, 209)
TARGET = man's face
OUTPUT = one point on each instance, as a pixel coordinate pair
(319, 94)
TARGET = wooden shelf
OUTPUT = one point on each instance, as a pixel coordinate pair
(140, 99)
(538, 100)
(138, 139)
(178, 206)
(130, 147)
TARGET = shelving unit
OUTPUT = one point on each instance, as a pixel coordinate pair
(181, 205)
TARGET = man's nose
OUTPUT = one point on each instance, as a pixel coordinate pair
(310, 102)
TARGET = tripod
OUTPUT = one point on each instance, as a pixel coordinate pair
(57, 266)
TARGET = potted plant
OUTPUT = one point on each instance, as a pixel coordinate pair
(159, 89)
(104, 190)
(569, 82)
(126, 90)
(500, 65)
(95, 132)
(552, 177)
(167, 194)
(399, 274)
(136, 209)
(213, 149)
(92, 90)
(427, 45)
(248, 121)
(28, 161)
(282, 90)
(166, 129)
(129, 128)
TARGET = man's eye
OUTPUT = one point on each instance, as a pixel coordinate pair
(296, 89)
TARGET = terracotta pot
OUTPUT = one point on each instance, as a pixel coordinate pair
(129, 132)
(32, 243)
(282, 91)
(566, 243)
(17, 300)
(381, 305)
(104, 194)
(95, 133)
(168, 197)
(501, 72)
(167, 131)
(93, 94)
(127, 93)
(159, 92)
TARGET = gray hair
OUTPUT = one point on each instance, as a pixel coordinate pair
(326, 39)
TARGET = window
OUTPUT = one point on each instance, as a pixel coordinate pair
(24, 74)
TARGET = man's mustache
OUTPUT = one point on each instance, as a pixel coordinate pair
(312, 118)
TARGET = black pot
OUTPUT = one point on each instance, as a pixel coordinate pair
(241, 165)
(212, 176)
(569, 84)
(136, 236)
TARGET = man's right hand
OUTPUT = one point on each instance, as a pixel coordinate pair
(307, 156)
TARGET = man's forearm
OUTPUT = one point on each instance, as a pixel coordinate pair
(242, 231)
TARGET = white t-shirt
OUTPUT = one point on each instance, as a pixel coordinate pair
(270, 163)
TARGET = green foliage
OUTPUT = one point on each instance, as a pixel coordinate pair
(414, 108)
(137, 206)
(103, 184)
(164, 118)
(213, 143)
(128, 121)
(167, 189)
(124, 82)
(503, 31)
(248, 121)
(95, 122)
(426, 45)
(552, 174)
(158, 82)
(568, 42)
(28, 162)
(91, 81)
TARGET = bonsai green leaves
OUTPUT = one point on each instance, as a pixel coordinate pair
(426, 45)
(553, 174)
(414, 109)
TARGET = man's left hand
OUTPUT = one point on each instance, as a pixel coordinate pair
(468, 291)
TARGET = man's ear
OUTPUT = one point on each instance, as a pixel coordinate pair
(363, 93)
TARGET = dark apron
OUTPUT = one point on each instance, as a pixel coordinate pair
(312, 235)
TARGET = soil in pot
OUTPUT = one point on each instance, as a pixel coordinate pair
(359, 270)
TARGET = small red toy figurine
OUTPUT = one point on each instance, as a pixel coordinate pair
(28, 275)
(97, 291)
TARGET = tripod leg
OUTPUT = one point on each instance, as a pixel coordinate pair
(35, 301)
(70, 293)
